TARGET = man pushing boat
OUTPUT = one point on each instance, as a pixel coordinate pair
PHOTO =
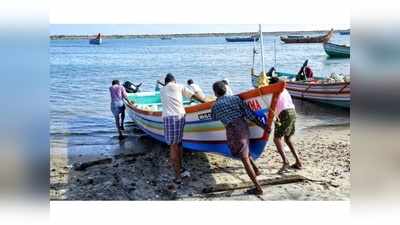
(285, 128)
(232, 112)
(173, 114)
(118, 94)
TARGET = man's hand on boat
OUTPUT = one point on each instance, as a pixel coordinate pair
(267, 128)
(198, 98)
(131, 103)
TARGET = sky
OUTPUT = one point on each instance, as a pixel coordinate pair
(108, 29)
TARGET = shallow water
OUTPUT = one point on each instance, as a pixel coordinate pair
(80, 74)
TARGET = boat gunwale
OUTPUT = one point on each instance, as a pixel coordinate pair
(204, 106)
(317, 84)
(336, 45)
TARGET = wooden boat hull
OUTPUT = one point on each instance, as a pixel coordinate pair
(337, 51)
(337, 94)
(246, 39)
(95, 41)
(302, 39)
(201, 133)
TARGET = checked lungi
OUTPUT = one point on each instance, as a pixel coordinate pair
(173, 129)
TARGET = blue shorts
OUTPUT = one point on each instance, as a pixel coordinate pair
(117, 109)
(173, 129)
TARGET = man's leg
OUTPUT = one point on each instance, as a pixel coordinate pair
(175, 158)
(117, 125)
(256, 170)
(122, 119)
(279, 146)
(250, 171)
(298, 164)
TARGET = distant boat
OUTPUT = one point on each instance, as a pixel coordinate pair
(242, 39)
(337, 94)
(337, 51)
(96, 41)
(307, 39)
(165, 38)
(347, 32)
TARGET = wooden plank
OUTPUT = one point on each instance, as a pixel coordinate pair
(248, 184)
(84, 165)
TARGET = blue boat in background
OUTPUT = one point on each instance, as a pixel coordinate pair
(242, 39)
(347, 32)
(96, 41)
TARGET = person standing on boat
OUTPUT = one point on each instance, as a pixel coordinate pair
(285, 128)
(228, 88)
(305, 73)
(173, 114)
(159, 84)
(195, 88)
(271, 72)
(232, 111)
(118, 94)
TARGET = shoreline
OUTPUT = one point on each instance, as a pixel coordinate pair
(136, 36)
(131, 175)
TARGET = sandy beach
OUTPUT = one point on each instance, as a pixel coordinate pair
(135, 174)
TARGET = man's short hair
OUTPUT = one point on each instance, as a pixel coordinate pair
(219, 88)
(225, 81)
(273, 80)
(115, 82)
(168, 78)
(190, 81)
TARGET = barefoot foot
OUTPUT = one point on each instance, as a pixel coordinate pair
(296, 166)
(283, 169)
(255, 191)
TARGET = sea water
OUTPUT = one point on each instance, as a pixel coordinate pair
(80, 74)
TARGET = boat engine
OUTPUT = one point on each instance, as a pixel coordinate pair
(131, 87)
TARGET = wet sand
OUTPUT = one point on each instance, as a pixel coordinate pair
(134, 174)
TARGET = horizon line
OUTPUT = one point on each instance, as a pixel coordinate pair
(199, 33)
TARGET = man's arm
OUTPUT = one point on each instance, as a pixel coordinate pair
(159, 82)
(198, 98)
(125, 96)
(190, 94)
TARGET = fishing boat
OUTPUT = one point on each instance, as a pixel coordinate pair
(166, 38)
(307, 39)
(337, 94)
(242, 39)
(97, 40)
(337, 51)
(347, 32)
(201, 133)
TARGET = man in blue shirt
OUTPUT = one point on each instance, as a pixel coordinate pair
(233, 112)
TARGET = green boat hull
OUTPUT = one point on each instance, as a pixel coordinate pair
(337, 51)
